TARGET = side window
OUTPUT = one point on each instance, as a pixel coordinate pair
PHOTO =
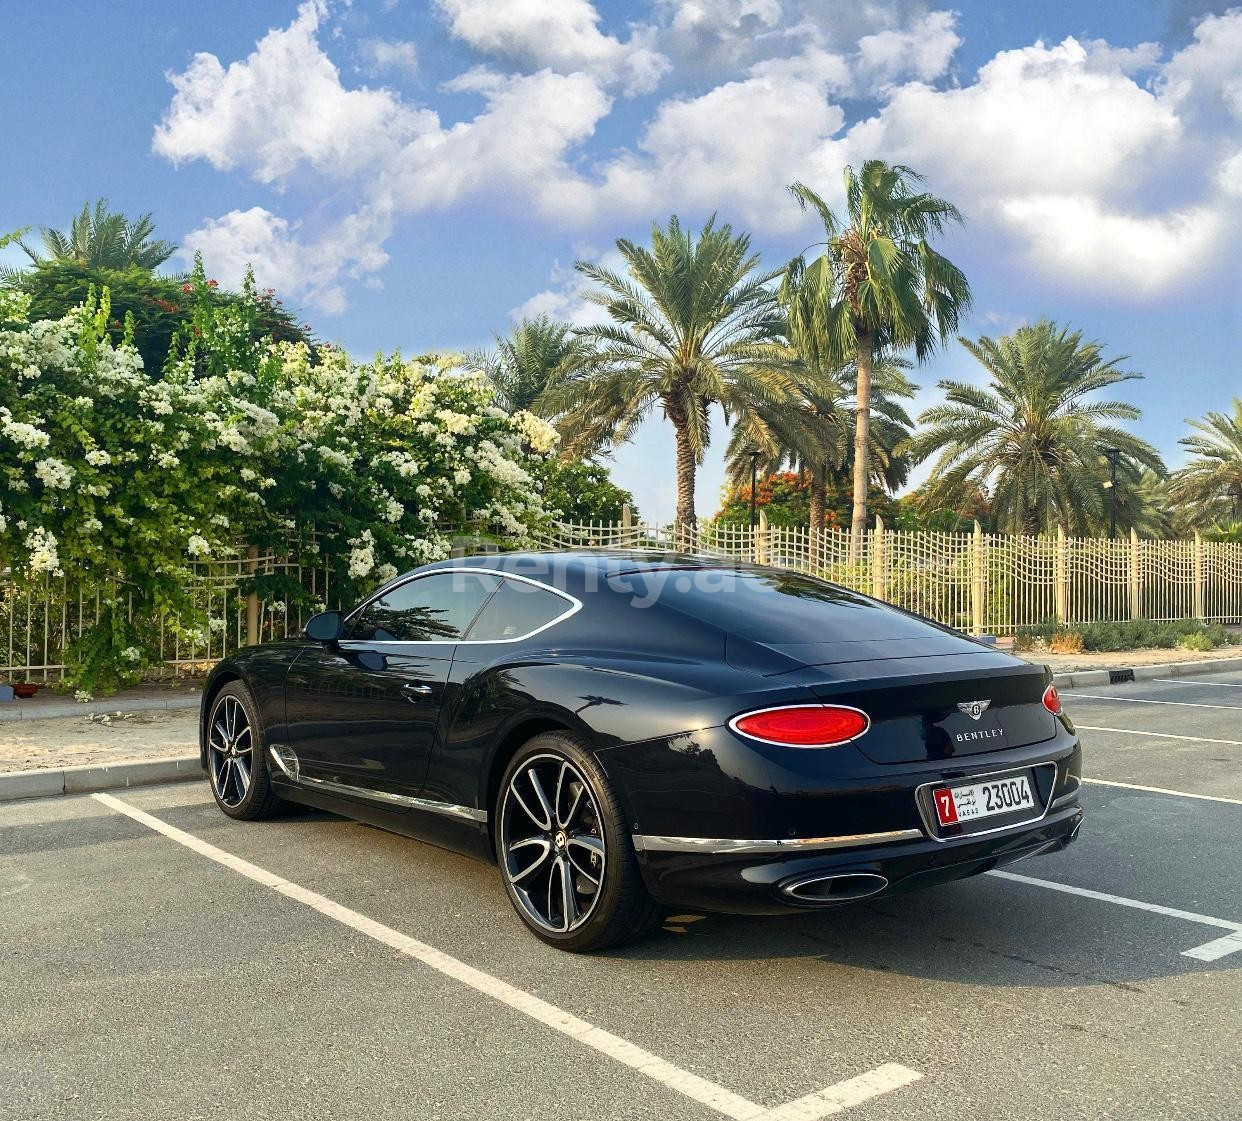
(429, 608)
(515, 610)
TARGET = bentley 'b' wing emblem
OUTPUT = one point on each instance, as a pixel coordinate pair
(973, 709)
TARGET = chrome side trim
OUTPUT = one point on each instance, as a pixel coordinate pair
(931, 825)
(575, 605)
(429, 805)
(285, 758)
(646, 842)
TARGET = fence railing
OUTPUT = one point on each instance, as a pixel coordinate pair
(978, 582)
(40, 619)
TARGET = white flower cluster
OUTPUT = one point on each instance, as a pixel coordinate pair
(41, 546)
(362, 555)
(536, 431)
(23, 434)
(55, 474)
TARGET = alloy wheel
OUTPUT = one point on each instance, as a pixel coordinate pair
(230, 740)
(552, 844)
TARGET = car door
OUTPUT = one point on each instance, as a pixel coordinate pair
(364, 711)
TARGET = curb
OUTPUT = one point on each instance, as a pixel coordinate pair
(14, 713)
(101, 776)
(1123, 675)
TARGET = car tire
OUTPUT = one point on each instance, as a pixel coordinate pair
(548, 829)
(237, 768)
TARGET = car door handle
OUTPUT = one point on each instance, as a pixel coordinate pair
(420, 690)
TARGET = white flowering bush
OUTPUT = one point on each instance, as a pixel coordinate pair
(108, 470)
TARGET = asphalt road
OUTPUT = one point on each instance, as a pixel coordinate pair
(142, 978)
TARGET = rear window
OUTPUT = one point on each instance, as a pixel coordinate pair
(772, 607)
(515, 610)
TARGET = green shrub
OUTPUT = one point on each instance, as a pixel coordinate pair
(1111, 636)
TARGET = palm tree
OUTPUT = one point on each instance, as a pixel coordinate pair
(1032, 438)
(1210, 485)
(100, 239)
(880, 286)
(1144, 503)
(693, 324)
(811, 435)
(523, 366)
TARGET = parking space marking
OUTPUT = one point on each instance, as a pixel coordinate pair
(1217, 948)
(812, 1107)
(1232, 941)
(1145, 701)
(1162, 790)
(1158, 735)
(1191, 681)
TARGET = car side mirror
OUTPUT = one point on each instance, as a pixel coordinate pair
(324, 627)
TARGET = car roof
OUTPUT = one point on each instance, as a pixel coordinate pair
(548, 564)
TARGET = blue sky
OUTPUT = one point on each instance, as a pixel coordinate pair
(415, 175)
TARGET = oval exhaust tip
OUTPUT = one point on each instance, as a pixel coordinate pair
(840, 887)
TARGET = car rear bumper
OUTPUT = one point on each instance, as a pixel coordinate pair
(709, 877)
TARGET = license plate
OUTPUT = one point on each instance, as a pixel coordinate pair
(955, 804)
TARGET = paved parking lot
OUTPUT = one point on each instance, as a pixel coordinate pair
(161, 961)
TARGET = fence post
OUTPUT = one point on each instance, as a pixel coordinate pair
(761, 545)
(1199, 576)
(1136, 586)
(976, 581)
(879, 574)
(1061, 569)
(627, 519)
(252, 600)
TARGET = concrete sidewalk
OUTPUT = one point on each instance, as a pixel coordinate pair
(50, 705)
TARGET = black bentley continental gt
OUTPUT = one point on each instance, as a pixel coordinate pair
(625, 732)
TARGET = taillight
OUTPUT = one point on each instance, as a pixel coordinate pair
(803, 725)
(1052, 700)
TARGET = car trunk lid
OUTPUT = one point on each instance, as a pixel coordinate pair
(920, 712)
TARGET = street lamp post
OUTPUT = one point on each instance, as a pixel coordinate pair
(1113, 454)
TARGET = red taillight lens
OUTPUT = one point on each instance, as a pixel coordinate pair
(804, 725)
(1052, 700)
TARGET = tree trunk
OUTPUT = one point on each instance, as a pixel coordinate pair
(686, 468)
(862, 446)
(819, 505)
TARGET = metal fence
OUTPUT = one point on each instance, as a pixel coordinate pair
(40, 619)
(978, 582)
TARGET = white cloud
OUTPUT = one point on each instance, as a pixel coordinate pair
(283, 108)
(1091, 162)
(1078, 239)
(921, 51)
(399, 55)
(725, 36)
(561, 35)
(304, 270)
(1098, 177)
(565, 298)
(283, 111)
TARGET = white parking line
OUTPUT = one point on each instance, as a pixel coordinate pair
(1158, 735)
(1145, 701)
(1209, 951)
(822, 1103)
(1189, 681)
(1162, 790)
